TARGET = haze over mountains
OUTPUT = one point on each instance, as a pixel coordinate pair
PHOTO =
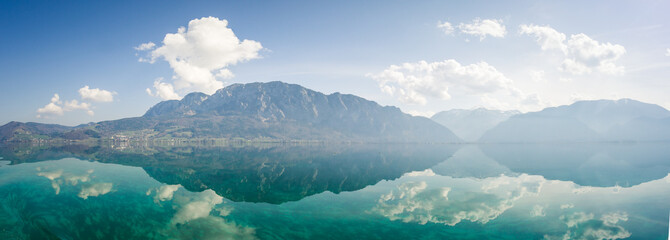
(470, 125)
(586, 121)
(277, 111)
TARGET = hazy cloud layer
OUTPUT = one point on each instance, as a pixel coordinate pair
(200, 56)
(582, 54)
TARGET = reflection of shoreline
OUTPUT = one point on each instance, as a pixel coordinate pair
(121, 140)
(21, 151)
(556, 209)
(271, 173)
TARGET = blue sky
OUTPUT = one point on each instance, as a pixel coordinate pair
(391, 52)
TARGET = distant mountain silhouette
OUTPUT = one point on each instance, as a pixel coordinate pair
(470, 125)
(18, 131)
(584, 121)
(273, 110)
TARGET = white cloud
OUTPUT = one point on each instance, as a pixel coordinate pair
(482, 28)
(163, 90)
(415, 82)
(593, 54)
(57, 107)
(202, 53)
(75, 105)
(51, 109)
(582, 54)
(547, 37)
(574, 67)
(667, 52)
(145, 46)
(225, 74)
(446, 27)
(96, 94)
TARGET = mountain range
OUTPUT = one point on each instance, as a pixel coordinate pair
(255, 111)
(277, 111)
(586, 121)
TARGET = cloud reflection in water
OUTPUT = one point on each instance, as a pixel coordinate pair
(59, 178)
(415, 202)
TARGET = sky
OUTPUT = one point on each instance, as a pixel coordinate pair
(74, 62)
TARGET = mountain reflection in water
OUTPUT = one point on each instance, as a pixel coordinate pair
(280, 191)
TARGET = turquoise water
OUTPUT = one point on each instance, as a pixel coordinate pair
(559, 191)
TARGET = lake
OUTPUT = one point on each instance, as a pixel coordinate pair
(335, 191)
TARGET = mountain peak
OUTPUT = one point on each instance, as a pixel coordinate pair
(194, 95)
(278, 103)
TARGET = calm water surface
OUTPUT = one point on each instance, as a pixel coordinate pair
(532, 191)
